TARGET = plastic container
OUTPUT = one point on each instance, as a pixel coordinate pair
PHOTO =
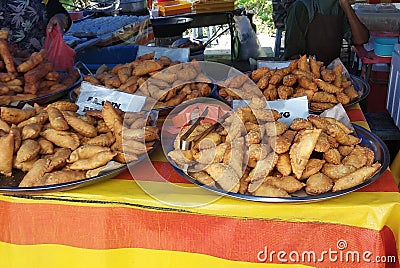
(379, 17)
(384, 46)
(393, 94)
(75, 15)
(94, 57)
(133, 6)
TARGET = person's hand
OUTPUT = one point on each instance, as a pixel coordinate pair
(59, 20)
(346, 3)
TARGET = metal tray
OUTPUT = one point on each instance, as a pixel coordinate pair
(44, 99)
(362, 88)
(9, 185)
(359, 84)
(368, 139)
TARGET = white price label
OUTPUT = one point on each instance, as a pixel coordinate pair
(92, 97)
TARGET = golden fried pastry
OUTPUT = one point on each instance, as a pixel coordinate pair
(300, 123)
(285, 92)
(325, 86)
(340, 135)
(289, 80)
(27, 165)
(335, 172)
(145, 67)
(357, 158)
(318, 183)
(6, 154)
(31, 131)
(17, 136)
(7, 57)
(328, 75)
(86, 151)
(338, 69)
(283, 165)
(110, 114)
(56, 118)
(313, 166)
(267, 115)
(65, 139)
(15, 115)
(351, 92)
(211, 155)
(321, 96)
(315, 66)
(307, 84)
(288, 183)
(225, 176)
(263, 82)
(323, 143)
(35, 173)
(355, 178)
(34, 59)
(303, 64)
(332, 156)
(80, 126)
(64, 106)
(181, 157)
(318, 106)
(28, 150)
(301, 150)
(39, 118)
(318, 122)
(93, 162)
(106, 139)
(271, 92)
(257, 151)
(265, 189)
(257, 74)
(345, 150)
(58, 159)
(61, 176)
(46, 147)
(279, 144)
(342, 98)
(263, 167)
(237, 149)
(203, 177)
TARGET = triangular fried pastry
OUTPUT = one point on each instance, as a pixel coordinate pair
(301, 150)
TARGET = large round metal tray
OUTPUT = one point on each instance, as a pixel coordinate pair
(359, 84)
(368, 139)
(10, 184)
(44, 99)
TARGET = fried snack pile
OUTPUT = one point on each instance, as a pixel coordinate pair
(323, 87)
(255, 154)
(30, 76)
(164, 82)
(54, 144)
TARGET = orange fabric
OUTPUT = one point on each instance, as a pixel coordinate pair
(228, 238)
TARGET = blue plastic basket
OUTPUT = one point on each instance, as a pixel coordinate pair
(384, 46)
(94, 57)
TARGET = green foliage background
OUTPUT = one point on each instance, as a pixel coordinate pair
(262, 10)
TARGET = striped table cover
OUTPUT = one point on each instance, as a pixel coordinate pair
(116, 224)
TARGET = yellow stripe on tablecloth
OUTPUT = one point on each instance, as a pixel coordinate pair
(373, 210)
(362, 124)
(49, 255)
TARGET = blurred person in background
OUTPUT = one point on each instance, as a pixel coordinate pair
(318, 27)
(28, 21)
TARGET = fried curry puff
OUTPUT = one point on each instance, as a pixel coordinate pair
(253, 153)
(54, 144)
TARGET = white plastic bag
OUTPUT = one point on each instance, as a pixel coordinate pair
(249, 45)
